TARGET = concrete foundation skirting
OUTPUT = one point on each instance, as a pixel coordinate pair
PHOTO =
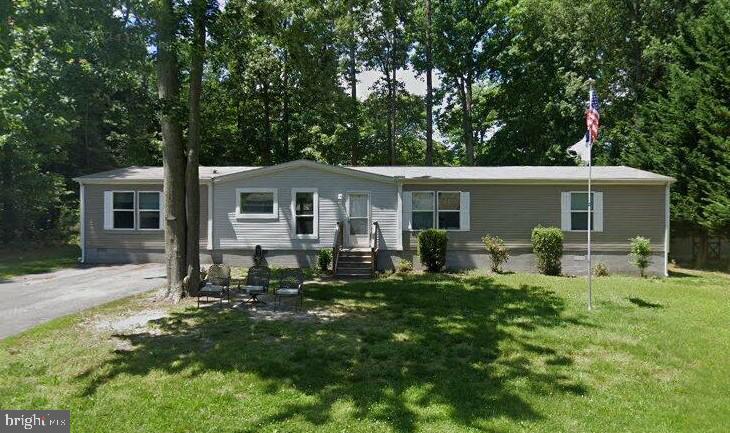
(126, 255)
(574, 263)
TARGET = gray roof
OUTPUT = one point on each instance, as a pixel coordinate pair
(155, 173)
(546, 173)
(518, 173)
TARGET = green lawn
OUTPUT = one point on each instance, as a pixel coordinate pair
(454, 353)
(15, 262)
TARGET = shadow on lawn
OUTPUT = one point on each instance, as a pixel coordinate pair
(404, 343)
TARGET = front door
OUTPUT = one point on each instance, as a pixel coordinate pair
(358, 219)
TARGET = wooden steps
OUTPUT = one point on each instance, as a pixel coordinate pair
(355, 264)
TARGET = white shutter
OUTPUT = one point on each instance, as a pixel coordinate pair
(108, 217)
(407, 209)
(465, 212)
(565, 211)
(598, 211)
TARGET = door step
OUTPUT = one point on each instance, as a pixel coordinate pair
(355, 263)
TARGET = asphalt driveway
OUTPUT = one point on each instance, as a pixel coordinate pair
(32, 299)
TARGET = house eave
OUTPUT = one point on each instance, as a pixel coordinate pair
(433, 181)
(308, 164)
(107, 181)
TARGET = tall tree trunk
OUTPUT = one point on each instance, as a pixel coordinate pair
(429, 87)
(465, 97)
(389, 117)
(285, 109)
(393, 96)
(392, 114)
(7, 207)
(173, 154)
(267, 144)
(192, 178)
(352, 69)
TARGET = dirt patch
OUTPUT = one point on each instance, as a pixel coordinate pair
(266, 313)
(134, 323)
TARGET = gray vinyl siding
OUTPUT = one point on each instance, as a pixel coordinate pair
(511, 212)
(233, 233)
(97, 237)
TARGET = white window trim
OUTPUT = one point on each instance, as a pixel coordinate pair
(437, 210)
(433, 211)
(274, 215)
(137, 220)
(315, 224)
(133, 210)
(592, 205)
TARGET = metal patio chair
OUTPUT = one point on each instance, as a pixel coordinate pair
(290, 285)
(217, 284)
(257, 284)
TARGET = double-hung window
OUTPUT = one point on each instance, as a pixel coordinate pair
(304, 212)
(257, 203)
(445, 210)
(149, 210)
(422, 210)
(130, 210)
(577, 212)
(122, 210)
(449, 215)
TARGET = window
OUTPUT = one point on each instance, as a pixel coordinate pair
(446, 210)
(257, 203)
(422, 210)
(576, 212)
(449, 215)
(304, 211)
(122, 209)
(579, 211)
(148, 203)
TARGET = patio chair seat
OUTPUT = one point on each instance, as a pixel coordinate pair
(213, 289)
(288, 291)
(253, 289)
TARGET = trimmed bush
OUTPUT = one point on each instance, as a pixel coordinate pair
(600, 270)
(405, 266)
(498, 252)
(432, 249)
(547, 244)
(640, 253)
(324, 259)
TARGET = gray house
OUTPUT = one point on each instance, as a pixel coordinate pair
(297, 208)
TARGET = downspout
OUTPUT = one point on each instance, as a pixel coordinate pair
(666, 228)
(399, 183)
(82, 221)
(211, 192)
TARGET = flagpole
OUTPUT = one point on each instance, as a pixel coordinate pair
(590, 209)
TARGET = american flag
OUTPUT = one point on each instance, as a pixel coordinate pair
(593, 118)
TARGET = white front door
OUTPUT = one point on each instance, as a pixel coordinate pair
(358, 219)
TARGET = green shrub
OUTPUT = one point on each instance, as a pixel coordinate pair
(498, 252)
(432, 249)
(405, 266)
(324, 259)
(547, 244)
(600, 270)
(640, 253)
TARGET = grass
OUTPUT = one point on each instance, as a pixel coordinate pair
(451, 353)
(14, 262)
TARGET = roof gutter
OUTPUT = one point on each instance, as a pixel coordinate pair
(618, 181)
